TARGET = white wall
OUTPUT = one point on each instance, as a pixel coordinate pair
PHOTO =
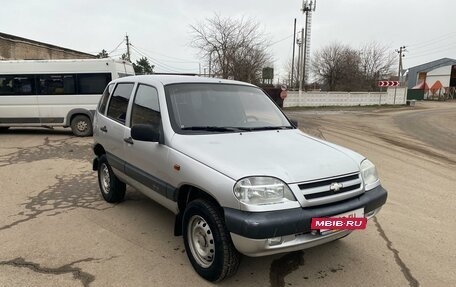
(319, 99)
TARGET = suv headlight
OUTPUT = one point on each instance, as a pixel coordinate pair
(369, 172)
(262, 190)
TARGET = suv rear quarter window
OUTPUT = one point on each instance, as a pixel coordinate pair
(105, 98)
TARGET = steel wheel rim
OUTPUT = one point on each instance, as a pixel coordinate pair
(201, 241)
(105, 179)
(81, 126)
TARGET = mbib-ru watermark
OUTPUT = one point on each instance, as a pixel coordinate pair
(338, 223)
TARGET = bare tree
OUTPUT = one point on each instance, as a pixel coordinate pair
(234, 48)
(340, 67)
(336, 66)
(377, 61)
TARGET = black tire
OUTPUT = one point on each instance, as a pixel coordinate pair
(4, 129)
(225, 259)
(81, 126)
(111, 188)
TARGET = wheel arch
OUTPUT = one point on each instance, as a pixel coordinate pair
(79, 111)
(184, 195)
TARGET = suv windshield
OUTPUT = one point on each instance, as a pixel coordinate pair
(222, 108)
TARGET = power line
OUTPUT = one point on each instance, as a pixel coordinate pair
(117, 54)
(143, 55)
(117, 47)
(446, 48)
(281, 40)
(177, 60)
(433, 48)
(160, 65)
(433, 40)
(159, 62)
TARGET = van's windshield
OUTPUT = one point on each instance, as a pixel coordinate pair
(201, 108)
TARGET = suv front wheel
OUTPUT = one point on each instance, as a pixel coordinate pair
(207, 242)
(112, 189)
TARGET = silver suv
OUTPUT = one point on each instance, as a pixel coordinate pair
(238, 174)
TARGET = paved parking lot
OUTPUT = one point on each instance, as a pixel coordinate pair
(55, 229)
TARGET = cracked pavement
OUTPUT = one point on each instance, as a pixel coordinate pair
(55, 229)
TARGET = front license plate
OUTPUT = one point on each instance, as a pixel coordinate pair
(357, 213)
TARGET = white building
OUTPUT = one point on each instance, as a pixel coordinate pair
(443, 70)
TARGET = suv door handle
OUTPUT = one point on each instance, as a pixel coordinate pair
(104, 129)
(129, 140)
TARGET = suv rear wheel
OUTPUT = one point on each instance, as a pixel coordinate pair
(112, 189)
(207, 242)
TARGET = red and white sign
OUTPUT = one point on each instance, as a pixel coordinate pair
(388, 83)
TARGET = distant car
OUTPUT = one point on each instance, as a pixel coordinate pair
(238, 174)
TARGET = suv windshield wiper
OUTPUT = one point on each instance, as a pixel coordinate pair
(211, 129)
(266, 128)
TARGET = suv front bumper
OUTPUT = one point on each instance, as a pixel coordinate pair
(258, 233)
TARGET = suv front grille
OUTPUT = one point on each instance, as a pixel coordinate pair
(322, 188)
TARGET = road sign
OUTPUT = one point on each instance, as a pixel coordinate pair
(388, 83)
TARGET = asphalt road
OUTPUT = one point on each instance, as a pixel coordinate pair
(55, 230)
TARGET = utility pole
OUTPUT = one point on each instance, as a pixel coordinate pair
(401, 55)
(128, 48)
(298, 69)
(300, 60)
(399, 72)
(293, 58)
(210, 64)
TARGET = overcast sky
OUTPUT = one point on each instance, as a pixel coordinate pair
(160, 29)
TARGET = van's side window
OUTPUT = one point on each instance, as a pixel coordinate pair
(117, 109)
(104, 99)
(57, 84)
(93, 83)
(17, 85)
(146, 109)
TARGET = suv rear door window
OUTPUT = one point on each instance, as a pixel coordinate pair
(117, 109)
(145, 107)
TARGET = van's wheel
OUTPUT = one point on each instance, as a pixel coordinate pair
(207, 241)
(3, 129)
(81, 126)
(112, 189)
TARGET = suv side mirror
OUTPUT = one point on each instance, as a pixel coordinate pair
(294, 122)
(146, 133)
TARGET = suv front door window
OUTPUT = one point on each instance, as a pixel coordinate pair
(146, 110)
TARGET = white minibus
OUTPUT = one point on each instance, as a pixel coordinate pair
(51, 93)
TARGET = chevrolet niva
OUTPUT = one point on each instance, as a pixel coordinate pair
(239, 175)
